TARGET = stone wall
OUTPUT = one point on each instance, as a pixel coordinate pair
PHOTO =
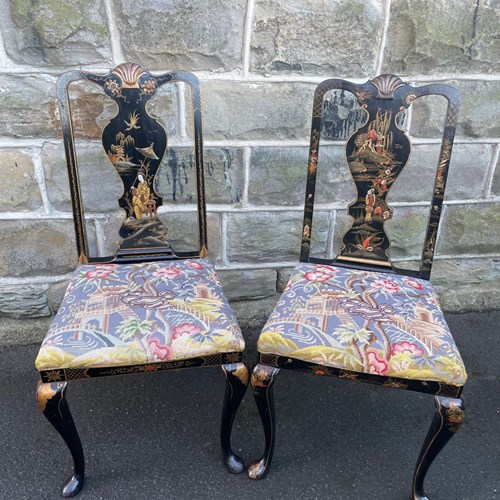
(259, 62)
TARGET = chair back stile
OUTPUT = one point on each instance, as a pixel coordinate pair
(135, 143)
(376, 152)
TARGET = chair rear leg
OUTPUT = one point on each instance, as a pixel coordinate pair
(237, 377)
(447, 419)
(262, 380)
(52, 402)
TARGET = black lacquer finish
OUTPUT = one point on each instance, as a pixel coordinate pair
(135, 143)
(262, 381)
(376, 153)
(447, 420)
(106, 371)
(51, 399)
(237, 378)
(425, 386)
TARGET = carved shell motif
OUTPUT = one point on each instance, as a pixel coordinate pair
(386, 85)
(129, 74)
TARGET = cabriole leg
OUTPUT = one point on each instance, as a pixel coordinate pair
(447, 420)
(262, 380)
(52, 402)
(237, 382)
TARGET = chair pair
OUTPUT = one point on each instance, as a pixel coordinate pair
(152, 308)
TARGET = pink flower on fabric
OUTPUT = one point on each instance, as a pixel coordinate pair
(318, 276)
(160, 351)
(406, 347)
(101, 271)
(377, 365)
(169, 272)
(194, 265)
(387, 285)
(413, 283)
(326, 269)
(185, 329)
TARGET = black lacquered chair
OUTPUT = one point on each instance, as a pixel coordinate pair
(358, 316)
(148, 308)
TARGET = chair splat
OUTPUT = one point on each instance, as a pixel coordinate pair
(135, 143)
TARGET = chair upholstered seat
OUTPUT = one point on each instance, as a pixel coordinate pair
(129, 314)
(363, 321)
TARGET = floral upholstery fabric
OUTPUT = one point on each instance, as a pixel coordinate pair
(363, 321)
(127, 314)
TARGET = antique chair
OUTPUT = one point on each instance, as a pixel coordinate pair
(148, 308)
(358, 316)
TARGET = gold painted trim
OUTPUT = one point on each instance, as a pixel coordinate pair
(129, 74)
(455, 416)
(65, 374)
(242, 373)
(233, 357)
(203, 252)
(54, 376)
(255, 469)
(211, 359)
(82, 259)
(386, 85)
(237, 370)
(44, 392)
(269, 359)
(364, 261)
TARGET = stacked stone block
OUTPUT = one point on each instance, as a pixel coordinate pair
(258, 62)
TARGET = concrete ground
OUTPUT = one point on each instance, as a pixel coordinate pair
(156, 436)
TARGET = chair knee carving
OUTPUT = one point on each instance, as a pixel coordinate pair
(150, 307)
(358, 316)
